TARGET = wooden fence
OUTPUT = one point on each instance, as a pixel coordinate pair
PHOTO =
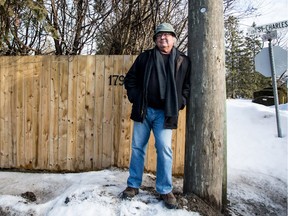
(70, 113)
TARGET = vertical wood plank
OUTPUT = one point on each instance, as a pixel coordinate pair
(54, 115)
(44, 119)
(2, 131)
(117, 103)
(63, 110)
(20, 113)
(72, 114)
(6, 113)
(99, 106)
(81, 90)
(124, 144)
(179, 145)
(36, 71)
(12, 118)
(28, 114)
(107, 150)
(89, 112)
(150, 163)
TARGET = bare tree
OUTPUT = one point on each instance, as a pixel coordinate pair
(282, 39)
(73, 27)
(75, 23)
(240, 9)
(129, 29)
(70, 25)
(21, 27)
(131, 26)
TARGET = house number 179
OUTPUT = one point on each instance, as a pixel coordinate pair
(116, 80)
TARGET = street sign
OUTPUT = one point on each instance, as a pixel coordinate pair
(269, 36)
(262, 61)
(268, 27)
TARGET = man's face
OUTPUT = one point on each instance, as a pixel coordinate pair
(165, 41)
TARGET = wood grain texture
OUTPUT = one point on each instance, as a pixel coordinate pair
(70, 113)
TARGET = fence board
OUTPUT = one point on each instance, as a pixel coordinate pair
(179, 144)
(89, 108)
(35, 114)
(44, 114)
(117, 102)
(63, 111)
(4, 114)
(123, 150)
(80, 149)
(99, 109)
(70, 114)
(28, 111)
(11, 123)
(54, 123)
(20, 112)
(2, 123)
(107, 157)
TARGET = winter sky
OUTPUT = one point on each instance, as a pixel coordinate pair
(270, 12)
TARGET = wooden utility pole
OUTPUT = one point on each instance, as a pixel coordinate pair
(205, 147)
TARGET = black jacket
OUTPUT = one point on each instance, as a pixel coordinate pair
(136, 82)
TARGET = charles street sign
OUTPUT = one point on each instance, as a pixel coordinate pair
(268, 27)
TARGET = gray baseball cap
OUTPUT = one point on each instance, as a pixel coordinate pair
(164, 27)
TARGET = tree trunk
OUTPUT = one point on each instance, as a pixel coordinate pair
(205, 147)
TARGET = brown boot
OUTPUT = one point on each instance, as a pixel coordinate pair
(169, 200)
(129, 193)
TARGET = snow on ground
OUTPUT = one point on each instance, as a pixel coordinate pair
(257, 177)
(78, 194)
(257, 158)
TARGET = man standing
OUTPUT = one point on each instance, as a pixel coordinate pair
(157, 85)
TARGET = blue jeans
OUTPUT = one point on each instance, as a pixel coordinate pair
(163, 138)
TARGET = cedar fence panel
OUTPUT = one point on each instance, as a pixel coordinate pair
(70, 113)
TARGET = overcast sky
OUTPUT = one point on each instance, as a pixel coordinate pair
(271, 11)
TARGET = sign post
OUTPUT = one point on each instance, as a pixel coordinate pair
(275, 88)
(271, 33)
